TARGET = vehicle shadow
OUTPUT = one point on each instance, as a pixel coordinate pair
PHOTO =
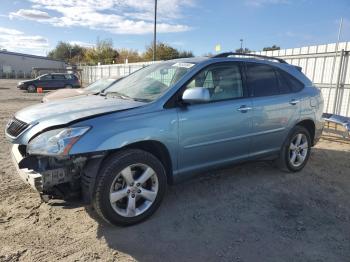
(250, 212)
(331, 137)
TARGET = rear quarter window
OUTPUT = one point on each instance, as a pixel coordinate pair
(293, 84)
(71, 77)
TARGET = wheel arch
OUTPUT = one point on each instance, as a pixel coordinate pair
(94, 165)
(159, 150)
(309, 124)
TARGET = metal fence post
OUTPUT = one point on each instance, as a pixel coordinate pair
(335, 105)
(342, 80)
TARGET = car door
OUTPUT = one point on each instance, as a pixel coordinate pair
(45, 82)
(275, 108)
(219, 131)
(58, 81)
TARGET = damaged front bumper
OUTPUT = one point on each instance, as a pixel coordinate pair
(45, 174)
(31, 177)
(58, 177)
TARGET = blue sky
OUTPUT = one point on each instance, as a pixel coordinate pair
(35, 26)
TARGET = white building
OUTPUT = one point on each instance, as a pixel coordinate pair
(17, 65)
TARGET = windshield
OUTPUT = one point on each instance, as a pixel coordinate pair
(151, 82)
(42, 76)
(100, 85)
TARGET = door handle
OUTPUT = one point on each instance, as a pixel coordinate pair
(244, 109)
(294, 102)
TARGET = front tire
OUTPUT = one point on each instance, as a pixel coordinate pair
(31, 89)
(296, 150)
(130, 187)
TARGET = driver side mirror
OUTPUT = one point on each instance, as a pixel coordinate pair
(196, 95)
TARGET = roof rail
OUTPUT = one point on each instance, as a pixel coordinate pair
(227, 54)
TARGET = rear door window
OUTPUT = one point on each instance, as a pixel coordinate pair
(262, 80)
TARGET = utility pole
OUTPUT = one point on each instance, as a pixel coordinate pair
(241, 45)
(333, 67)
(155, 31)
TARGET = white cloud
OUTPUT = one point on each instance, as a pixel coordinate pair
(8, 31)
(14, 40)
(83, 44)
(30, 14)
(262, 3)
(115, 16)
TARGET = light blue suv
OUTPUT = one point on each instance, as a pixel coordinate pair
(121, 148)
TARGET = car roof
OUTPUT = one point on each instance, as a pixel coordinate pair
(252, 58)
(195, 60)
(61, 74)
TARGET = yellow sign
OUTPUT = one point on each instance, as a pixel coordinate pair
(218, 48)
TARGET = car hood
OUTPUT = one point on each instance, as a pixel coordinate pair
(64, 111)
(64, 93)
(26, 81)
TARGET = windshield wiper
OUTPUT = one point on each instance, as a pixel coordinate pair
(116, 94)
(119, 95)
(142, 100)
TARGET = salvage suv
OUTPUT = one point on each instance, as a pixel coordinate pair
(121, 148)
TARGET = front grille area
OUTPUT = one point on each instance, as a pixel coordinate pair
(15, 127)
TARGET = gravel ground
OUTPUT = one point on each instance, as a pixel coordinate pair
(250, 212)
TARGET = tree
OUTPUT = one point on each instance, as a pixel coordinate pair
(184, 54)
(131, 55)
(165, 52)
(62, 51)
(243, 50)
(68, 53)
(77, 54)
(274, 47)
(103, 53)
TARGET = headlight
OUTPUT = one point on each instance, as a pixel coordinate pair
(56, 142)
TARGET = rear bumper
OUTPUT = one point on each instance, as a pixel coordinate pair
(30, 177)
(318, 131)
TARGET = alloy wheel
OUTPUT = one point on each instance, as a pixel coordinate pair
(298, 150)
(133, 190)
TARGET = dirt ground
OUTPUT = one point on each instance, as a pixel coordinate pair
(251, 212)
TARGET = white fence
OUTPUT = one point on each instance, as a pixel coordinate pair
(93, 73)
(326, 65)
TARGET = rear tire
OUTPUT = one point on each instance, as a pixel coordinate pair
(130, 187)
(68, 86)
(31, 89)
(296, 150)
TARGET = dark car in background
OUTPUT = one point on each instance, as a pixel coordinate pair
(50, 82)
(94, 88)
